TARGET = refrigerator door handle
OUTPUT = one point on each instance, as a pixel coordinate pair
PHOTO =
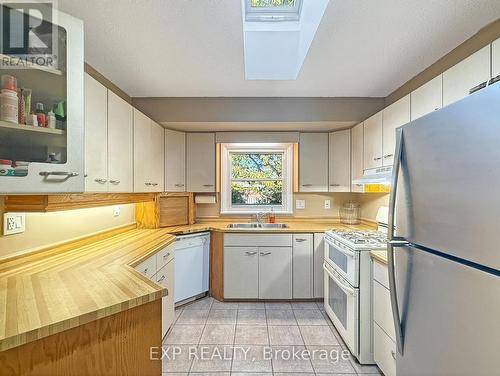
(391, 244)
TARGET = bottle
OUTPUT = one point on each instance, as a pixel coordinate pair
(9, 106)
(51, 120)
(272, 216)
(21, 107)
(40, 115)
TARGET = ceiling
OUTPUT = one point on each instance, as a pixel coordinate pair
(194, 48)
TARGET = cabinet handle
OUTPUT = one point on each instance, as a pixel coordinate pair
(265, 253)
(58, 173)
(148, 184)
(114, 181)
(300, 240)
(208, 185)
(393, 355)
(307, 185)
(334, 185)
(388, 155)
(250, 253)
(377, 158)
(179, 185)
(145, 271)
(101, 181)
(165, 257)
(358, 185)
(154, 184)
(482, 85)
(162, 278)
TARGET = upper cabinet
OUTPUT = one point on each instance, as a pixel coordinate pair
(340, 161)
(313, 162)
(175, 161)
(200, 162)
(372, 142)
(469, 73)
(45, 156)
(495, 58)
(395, 115)
(427, 98)
(148, 154)
(357, 156)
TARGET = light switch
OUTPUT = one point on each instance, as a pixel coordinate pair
(14, 223)
(300, 204)
(116, 210)
(327, 204)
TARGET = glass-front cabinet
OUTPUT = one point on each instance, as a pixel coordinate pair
(41, 102)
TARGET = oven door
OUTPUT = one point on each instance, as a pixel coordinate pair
(344, 260)
(342, 306)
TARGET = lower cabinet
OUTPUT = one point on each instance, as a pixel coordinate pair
(302, 266)
(241, 272)
(384, 343)
(275, 272)
(318, 273)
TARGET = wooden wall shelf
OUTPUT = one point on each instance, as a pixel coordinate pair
(56, 202)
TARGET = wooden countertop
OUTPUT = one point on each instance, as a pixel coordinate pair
(380, 256)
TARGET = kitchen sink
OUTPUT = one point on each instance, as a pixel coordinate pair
(257, 225)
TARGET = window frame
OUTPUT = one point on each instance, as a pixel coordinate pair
(274, 13)
(287, 164)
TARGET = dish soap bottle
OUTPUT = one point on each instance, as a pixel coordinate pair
(272, 216)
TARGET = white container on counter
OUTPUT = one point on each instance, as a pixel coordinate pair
(9, 105)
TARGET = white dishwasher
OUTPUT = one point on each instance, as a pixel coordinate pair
(192, 254)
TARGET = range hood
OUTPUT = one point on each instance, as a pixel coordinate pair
(381, 175)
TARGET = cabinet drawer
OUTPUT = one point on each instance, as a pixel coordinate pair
(381, 273)
(164, 256)
(147, 267)
(382, 312)
(384, 351)
(258, 240)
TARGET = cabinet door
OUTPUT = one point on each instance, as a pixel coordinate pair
(459, 79)
(340, 161)
(275, 272)
(241, 272)
(96, 136)
(384, 351)
(157, 168)
(175, 161)
(395, 115)
(427, 98)
(313, 162)
(372, 142)
(165, 278)
(120, 144)
(142, 152)
(302, 266)
(356, 157)
(318, 273)
(200, 162)
(495, 58)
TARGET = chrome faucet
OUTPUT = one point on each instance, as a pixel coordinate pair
(259, 217)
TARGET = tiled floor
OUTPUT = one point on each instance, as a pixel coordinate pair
(210, 338)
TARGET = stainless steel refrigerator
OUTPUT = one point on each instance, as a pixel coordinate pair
(444, 257)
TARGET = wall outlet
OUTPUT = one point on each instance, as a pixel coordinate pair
(327, 204)
(116, 210)
(300, 204)
(14, 223)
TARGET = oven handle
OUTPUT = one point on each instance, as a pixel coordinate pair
(347, 289)
(344, 251)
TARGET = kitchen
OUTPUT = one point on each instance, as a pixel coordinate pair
(227, 192)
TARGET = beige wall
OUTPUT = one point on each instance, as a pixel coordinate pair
(371, 202)
(46, 228)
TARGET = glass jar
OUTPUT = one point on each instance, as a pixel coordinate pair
(350, 213)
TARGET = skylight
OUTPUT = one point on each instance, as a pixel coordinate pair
(272, 10)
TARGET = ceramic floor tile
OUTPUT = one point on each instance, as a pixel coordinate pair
(251, 374)
(251, 335)
(193, 317)
(184, 335)
(251, 359)
(210, 358)
(280, 317)
(252, 317)
(330, 359)
(210, 374)
(285, 335)
(221, 316)
(295, 374)
(221, 305)
(251, 305)
(215, 333)
(290, 359)
(318, 335)
(310, 317)
(278, 305)
(175, 358)
(203, 304)
(304, 305)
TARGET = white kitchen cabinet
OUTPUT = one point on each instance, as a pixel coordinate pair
(302, 266)
(372, 141)
(165, 278)
(275, 272)
(495, 58)
(200, 162)
(96, 136)
(339, 150)
(394, 116)
(318, 273)
(175, 161)
(384, 351)
(120, 144)
(241, 272)
(356, 157)
(427, 98)
(148, 154)
(467, 74)
(313, 162)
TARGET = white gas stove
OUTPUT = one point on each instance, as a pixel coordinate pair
(359, 240)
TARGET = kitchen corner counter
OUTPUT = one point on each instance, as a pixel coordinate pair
(380, 256)
(74, 283)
